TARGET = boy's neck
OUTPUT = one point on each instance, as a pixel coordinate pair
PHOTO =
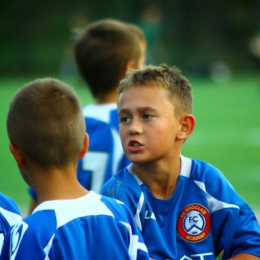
(110, 97)
(160, 179)
(57, 184)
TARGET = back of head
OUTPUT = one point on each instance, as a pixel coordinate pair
(103, 50)
(45, 121)
(178, 88)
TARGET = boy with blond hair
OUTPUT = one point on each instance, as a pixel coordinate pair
(184, 208)
(47, 135)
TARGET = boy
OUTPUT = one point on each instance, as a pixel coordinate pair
(104, 51)
(47, 135)
(9, 215)
(184, 208)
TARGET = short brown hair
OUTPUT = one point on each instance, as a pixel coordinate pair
(179, 90)
(45, 121)
(103, 50)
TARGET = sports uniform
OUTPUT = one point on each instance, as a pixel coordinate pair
(204, 215)
(9, 215)
(105, 155)
(90, 227)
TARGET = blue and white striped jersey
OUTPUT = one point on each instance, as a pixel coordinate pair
(90, 227)
(204, 216)
(9, 215)
(105, 156)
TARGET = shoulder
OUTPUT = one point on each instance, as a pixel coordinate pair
(102, 112)
(9, 204)
(40, 223)
(121, 183)
(197, 169)
(118, 209)
(9, 210)
(100, 126)
(219, 191)
(9, 216)
(35, 230)
(124, 187)
(203, 172)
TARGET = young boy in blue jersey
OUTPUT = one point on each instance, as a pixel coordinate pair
(47, 135)
(103, 52)
(184, 208)
(9, 215)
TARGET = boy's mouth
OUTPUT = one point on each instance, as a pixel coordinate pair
(134, 146)
(134, 143)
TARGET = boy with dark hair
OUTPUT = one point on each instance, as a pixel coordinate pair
(9, 215)
(184, 208)
(47, 135)
(104, 51)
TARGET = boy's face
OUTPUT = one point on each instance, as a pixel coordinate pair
(148, 126)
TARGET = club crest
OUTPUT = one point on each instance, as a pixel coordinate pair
(194, 223)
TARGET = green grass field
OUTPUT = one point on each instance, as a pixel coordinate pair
(227, 134)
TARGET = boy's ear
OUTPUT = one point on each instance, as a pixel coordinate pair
(18, 155)
(85, 146)
(187, 125)
(130, 65)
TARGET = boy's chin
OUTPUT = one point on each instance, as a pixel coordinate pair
(135, 160)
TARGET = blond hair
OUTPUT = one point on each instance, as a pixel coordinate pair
(178, 88)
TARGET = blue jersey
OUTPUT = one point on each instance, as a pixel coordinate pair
(90, 227)
(105, 156)
(9, 215)
(204, 216)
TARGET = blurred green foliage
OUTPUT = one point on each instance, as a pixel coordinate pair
(37, 36)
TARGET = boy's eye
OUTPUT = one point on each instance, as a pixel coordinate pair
(147, 116)
(124, 119)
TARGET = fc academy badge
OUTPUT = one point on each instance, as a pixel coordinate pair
(194, 223)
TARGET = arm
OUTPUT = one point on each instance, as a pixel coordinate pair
(22, 243)
(244, 256)
(117, 189)
(234, 224)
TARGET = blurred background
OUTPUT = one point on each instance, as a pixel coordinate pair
(216, 44)
(36, 36)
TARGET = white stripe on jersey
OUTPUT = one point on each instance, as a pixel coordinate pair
(138, 210)
(93, 207)
(99, 112)
(12, 218)
(134, 243)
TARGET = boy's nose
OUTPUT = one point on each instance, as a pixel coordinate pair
(135, 128)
